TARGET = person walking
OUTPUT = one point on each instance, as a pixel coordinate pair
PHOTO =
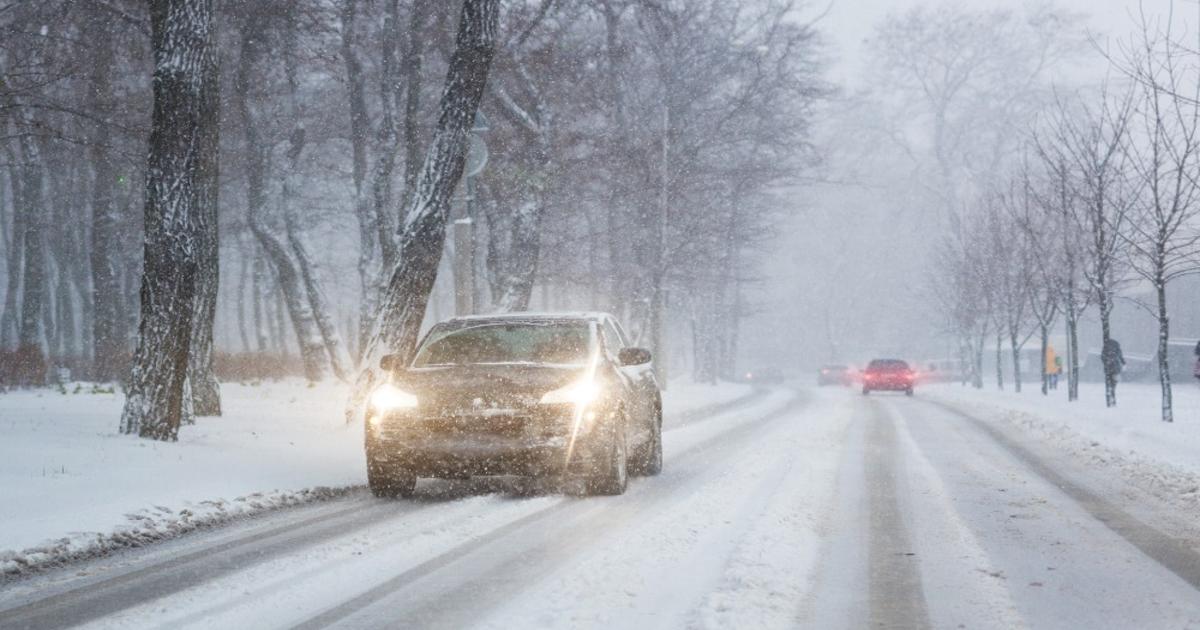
(1196, 365)
(1053, 367)
(1113, 361)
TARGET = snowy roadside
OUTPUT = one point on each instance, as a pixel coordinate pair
(71, 487)
(1130, 439)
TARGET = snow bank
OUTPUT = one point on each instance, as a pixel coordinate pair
(72, 487)
(1130, 439)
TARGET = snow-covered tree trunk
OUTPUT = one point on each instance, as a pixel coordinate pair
(1072, 319)
(411, 278)
(1015, 346)
(183, 45)
(999, 359)
(202, 382)
(1164, 335)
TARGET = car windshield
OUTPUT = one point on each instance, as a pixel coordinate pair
(558, 342)
(887, 365)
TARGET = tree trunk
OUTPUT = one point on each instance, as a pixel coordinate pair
(413, 60)
(15, 256)
(423, 238)
(202, 382)
(108, 319)
(1045, 345)
(31, 349)
(1072, 353)
(1016, 357)
(360, 130)
(1104, 301)
(262, 333)
(999, 360)
(243, 280)
(176, 190)
(1164, 335)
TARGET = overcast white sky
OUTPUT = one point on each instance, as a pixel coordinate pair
(849, 22)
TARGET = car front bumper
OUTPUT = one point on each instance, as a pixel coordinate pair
(534, 444)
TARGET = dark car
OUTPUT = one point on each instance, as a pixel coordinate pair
(888, 375)
(768, 375)
(521, 394)
(834, 375)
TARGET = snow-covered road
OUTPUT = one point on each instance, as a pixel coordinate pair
(818, 508)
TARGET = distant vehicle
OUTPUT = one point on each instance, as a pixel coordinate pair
(888, 375)
(767, 376)
(834, 375)
(521, 394)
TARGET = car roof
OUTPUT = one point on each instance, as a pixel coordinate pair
(589, 316)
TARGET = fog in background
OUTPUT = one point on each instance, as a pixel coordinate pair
(852, 276)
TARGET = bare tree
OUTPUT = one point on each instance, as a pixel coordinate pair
(413, 273)
(1090, 139)
(1164, 157)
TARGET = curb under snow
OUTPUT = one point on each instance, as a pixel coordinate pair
(155, 525)
(1178, 487)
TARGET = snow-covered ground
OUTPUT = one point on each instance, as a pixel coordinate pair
(71, 486)
(819, 508)
(1130, 438)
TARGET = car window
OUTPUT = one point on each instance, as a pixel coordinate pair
(564, 343)
(887, 365)
(612, 337)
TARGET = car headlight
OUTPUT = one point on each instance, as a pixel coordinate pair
(388, 397)
(580, 393)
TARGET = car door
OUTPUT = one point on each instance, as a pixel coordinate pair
(643, 386)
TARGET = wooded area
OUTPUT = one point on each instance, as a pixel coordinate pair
(291, 168)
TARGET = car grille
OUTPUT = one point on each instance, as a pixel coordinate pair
(498, 423)
(508, 425)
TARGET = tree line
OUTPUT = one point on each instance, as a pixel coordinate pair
(290, 168)
(1097, 201)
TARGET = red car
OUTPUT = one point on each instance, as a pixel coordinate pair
(888, 375)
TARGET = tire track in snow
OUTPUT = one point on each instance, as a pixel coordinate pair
(96, 598)
(896, 596)
(1176, 555)
(537, 543)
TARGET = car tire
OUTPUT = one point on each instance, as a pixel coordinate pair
(649, 461)
(866, 391)
(908, 392)
(388, 481)
(611, 476)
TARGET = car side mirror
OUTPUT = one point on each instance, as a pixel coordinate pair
(389, 362)
(634, 356)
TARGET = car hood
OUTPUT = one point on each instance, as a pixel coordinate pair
(487, 385)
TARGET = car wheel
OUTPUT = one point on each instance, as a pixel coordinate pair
(866, 391)
(649, 461)
(908, 392)
(388, 481)
(611, 476)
